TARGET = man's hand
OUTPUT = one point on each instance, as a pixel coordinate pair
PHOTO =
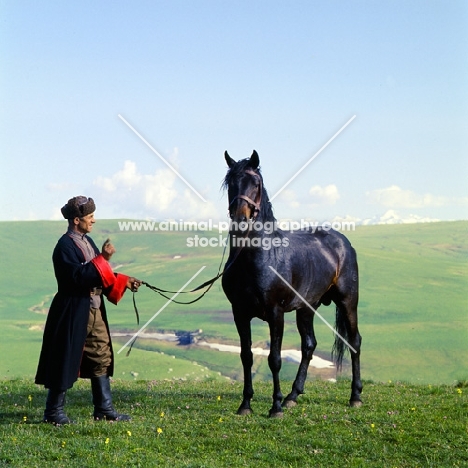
(133, 284)
(107, 250)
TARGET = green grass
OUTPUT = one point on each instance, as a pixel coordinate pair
(412, 313)
(193, 424)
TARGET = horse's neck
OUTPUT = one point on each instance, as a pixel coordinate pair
(268, 227)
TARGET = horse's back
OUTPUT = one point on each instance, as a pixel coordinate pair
(322, 242)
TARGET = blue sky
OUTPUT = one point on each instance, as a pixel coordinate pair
(201, 77)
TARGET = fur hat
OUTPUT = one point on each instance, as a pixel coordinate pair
(77, 207)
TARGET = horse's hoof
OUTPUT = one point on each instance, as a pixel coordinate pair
(276, 414)
(244, 411)
(289, 404)
(355, 404)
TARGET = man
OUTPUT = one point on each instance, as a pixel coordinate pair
(76, 341)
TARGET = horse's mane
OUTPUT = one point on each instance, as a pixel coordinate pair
(236, 171)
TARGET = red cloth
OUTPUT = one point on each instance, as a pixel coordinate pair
(114, 284)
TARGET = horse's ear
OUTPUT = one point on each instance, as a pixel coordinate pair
(254, 160)
(229, 160)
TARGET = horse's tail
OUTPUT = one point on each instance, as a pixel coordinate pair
(341, 337)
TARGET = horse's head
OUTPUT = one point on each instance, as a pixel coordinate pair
(245, 187)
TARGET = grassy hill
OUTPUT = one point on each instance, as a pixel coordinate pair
(193, 424)
(413, 303)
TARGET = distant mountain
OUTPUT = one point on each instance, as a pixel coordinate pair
(392, 217)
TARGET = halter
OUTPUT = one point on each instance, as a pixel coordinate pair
(255, 204)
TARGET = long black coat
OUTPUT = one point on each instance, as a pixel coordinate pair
(61, 360)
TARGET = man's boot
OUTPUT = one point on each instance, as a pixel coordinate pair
(102, 400)
(54, 413)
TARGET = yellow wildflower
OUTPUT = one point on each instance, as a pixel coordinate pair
(159, 430)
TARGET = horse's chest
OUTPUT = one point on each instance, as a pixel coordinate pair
(244, 288)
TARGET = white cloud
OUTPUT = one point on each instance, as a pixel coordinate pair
(396, 197)
(324, 195)
(289, 197)
(159, 190)
(126, 178)
(128, 193)
(317, 196)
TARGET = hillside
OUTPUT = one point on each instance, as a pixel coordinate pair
(194, 424)
(413, 303)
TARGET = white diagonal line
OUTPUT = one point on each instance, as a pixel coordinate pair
(160, 310)
(312, 158)
(310, 307)
(160, 157)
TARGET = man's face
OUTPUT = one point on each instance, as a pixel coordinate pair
(85, 224)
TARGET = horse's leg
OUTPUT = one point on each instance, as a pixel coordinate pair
(276, 324)
(243, 328)
(348, 308)
(305, 325)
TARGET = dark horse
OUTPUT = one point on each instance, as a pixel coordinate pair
(271, 271)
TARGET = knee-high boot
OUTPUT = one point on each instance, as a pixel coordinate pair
(102, 400)
(54, 413)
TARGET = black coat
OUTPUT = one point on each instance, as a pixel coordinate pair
(61, 360)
